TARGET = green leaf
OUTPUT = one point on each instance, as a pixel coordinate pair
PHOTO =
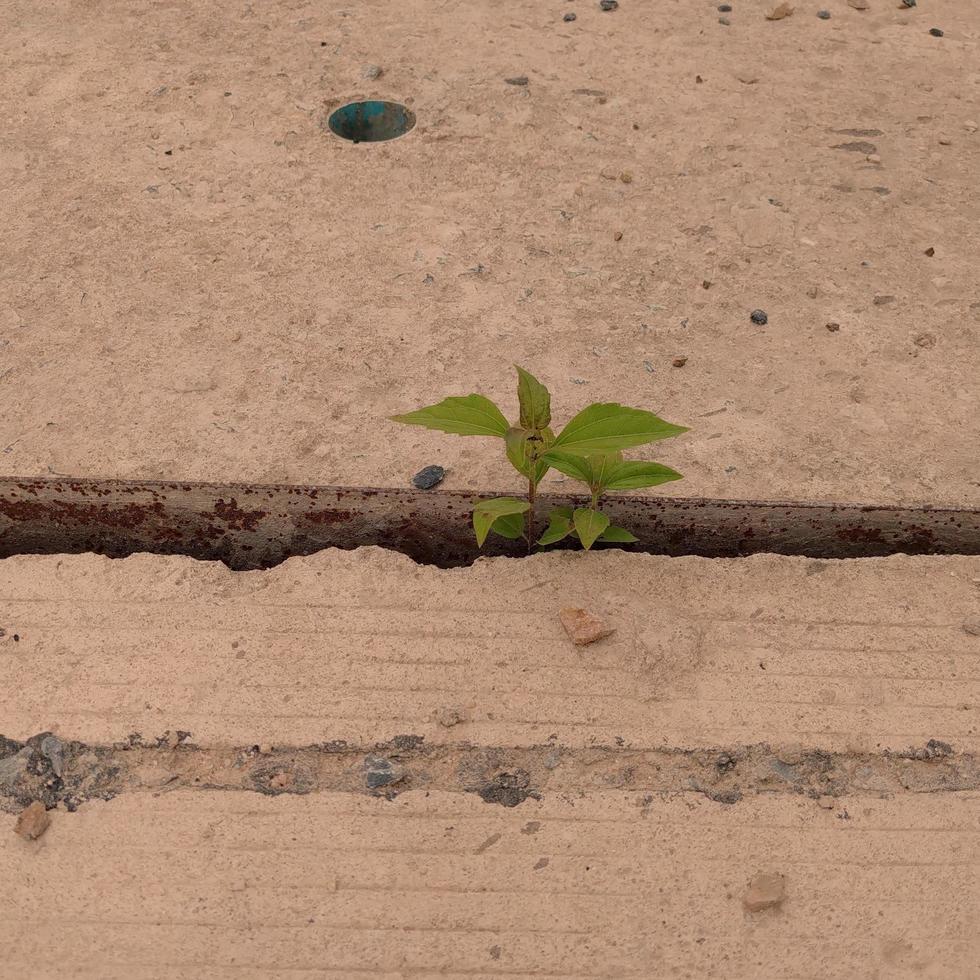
(559, 526)
(617, 534)
(535, 401)
(520, 445)
(607, 427)
(593, 470)
(486, 512)
(510, 526)
(577, 467)
(469, 415)
(634, 474)
(589, 524)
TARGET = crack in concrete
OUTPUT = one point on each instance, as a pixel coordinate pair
(68, 773)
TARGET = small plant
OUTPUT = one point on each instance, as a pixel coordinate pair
(588, 449)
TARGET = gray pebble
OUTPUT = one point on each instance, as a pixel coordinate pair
(53, 750)
(608, 4)
(517, 80)
(823, 14)
(724, 21)
(372, 71)
(429, 477)
(759, 317)
(935, 32)
(724, 8)
(569, 17)
(380, 771)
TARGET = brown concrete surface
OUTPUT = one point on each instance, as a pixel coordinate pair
(363, 646)
(212, 886)
(546, 811)
(197, 282)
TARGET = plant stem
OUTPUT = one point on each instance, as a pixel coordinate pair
(532, 489)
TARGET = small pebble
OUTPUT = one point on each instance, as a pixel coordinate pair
(706, 284)
(429, 477)
(935, 32)
(517, 80)
(925, 340)
(626, 177)
(972, 626)
(823, 14)
(759, 317)
(618, 237)
(764, 892)
(582, 626)
(33, 821)
(833, 327)
(448, 717)
(930, 251)
(724, 21)
(724, 8)
(371, 72)
(908, 3)
(608, 4)
(569, 17)
(380, 771)
(679, 361)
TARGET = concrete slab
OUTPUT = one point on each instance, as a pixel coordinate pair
(196, 282)
(197, 885)
(364, 646)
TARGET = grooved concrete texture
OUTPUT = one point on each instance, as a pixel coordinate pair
(365, 645)
(196, 886)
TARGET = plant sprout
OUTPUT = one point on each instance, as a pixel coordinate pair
(589, 449)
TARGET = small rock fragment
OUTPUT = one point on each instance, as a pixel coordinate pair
(569, 17)
(448, 717)
(908, 3)
(54, 751)
(935, 32)
(972, 626)
(380, 771)
(823, 14)
(858, 4)
(873, 158)
(583, 627)
(747, 79)
(429, 477)
(33, 821)
(517, 80)
(608, 4)
(679, 361)
(930, 251)
(759, 317)
(626, 177)
(780, 11)
(764, 892)
(371, 72)
(883, 300)
(925, 340)
(618, 237)
(812, 292)
(833, 327)
(724, 21)
(724, 8)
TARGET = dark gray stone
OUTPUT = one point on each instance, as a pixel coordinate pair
(429, 477)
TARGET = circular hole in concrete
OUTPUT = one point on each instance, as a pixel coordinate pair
(371, 122)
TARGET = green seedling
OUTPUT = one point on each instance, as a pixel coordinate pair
(589, 449)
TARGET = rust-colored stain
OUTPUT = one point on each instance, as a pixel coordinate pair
(236, 518)
(203, 520)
